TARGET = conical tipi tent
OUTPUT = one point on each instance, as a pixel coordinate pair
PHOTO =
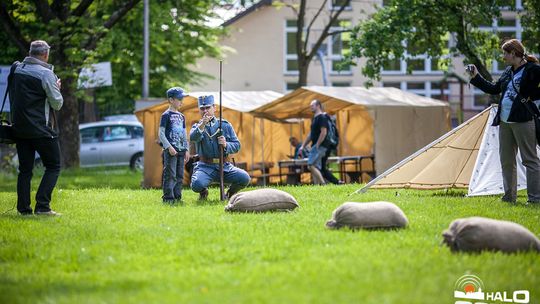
(466, 157)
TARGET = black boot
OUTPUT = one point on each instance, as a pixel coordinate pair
(203, 195)
(229, 194)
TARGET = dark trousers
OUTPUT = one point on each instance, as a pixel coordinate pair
(324, 169)
(173, 175)
(49, 152)
(204, 174)
(513, 136)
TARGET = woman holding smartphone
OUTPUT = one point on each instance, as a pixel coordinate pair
(519, 89)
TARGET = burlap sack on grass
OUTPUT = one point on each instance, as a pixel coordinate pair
(373, 215)
(261, 200)
(476, 234)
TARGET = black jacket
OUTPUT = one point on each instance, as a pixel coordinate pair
(528, 91)
(33, 94)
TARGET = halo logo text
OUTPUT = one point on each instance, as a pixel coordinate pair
(469, 289)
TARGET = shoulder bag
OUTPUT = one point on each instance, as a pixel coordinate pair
(534, 111)
(7, 135)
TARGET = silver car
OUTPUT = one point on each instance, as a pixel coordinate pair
(112, 143)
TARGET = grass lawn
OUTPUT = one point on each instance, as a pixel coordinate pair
(117, 243)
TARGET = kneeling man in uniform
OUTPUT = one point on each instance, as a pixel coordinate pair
(205, 135)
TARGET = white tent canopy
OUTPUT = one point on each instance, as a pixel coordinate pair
(376, 96)
(466, 157)
(242, 101)
(296, 103)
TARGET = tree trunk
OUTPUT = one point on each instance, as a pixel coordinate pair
(302, 74)
(69, 124)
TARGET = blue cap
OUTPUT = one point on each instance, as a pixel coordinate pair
(176, 92)
(205, 101)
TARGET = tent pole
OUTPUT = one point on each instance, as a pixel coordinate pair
(263, 165)
(253, 144)
(291, 149)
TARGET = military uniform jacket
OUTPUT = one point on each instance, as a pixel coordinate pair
(206, 143)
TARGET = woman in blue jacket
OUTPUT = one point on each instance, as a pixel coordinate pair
(519, 89)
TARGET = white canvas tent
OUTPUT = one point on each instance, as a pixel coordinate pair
(466, 157)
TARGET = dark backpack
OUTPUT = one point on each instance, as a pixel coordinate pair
(332, 137)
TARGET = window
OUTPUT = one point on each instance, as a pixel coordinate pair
(439, 86)
(292, 65)
(507, 22)
(291, 58)
(136, 132)
(416, 86)
(336, 4)
(340, 68)
(335, 49)
(424, 88)
(436, 64)
(90, 135)
(393, 65)
(339, 47)
(291, 43)
(292, 23)
(341, 84)
(291, 86)
(416, 63)
(392, 85)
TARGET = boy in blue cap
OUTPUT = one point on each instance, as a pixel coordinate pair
(205, 135)
(173, 138)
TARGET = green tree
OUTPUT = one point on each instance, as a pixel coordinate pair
(178, 36)
(83, 32)
(531, 24)
(73, 30)
(423, 27)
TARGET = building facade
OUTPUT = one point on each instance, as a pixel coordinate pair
(260, 54)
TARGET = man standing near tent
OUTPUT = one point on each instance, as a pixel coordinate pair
(207, 139)
(318, 154)
(518, 86)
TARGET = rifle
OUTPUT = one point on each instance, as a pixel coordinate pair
(221, 152)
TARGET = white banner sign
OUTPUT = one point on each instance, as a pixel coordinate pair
(98, 75)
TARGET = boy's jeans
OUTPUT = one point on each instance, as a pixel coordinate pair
(173, 175)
